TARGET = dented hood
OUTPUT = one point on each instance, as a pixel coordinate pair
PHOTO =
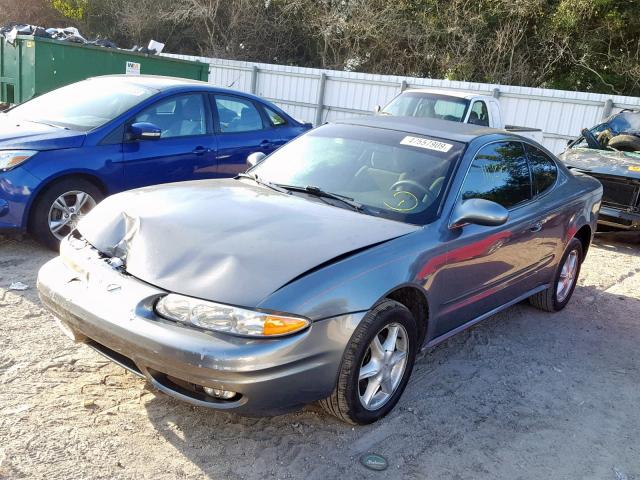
(228, 241)
(604, 162)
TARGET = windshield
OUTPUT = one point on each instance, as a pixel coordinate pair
(84, 105)
(392, 174)
(426, 105)
(623, 122)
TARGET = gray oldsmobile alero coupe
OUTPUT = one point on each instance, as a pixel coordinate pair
(320, 273)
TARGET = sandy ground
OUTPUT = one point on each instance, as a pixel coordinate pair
(524, 395)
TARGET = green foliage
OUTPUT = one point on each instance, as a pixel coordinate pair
(73, 9)
(589, 45)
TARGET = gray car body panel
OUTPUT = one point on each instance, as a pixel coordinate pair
(274, 376)
(239, 244)
(464, 273)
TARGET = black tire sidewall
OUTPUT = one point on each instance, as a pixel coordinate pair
(39, 221)
(394, 313)
(574, 244)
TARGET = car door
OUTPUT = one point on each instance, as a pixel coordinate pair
(551, 212)
(186, 149)
(241, 130)
(281, 129)
(478, 114)
(487, 267)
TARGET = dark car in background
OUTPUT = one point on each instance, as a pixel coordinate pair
(63, 152)
(322, 271)
(610, 152)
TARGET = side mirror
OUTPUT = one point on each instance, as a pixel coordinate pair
(378, 109)
(255, 158)
(478, 211)
(144, 131)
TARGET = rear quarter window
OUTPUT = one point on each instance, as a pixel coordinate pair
(543, 169)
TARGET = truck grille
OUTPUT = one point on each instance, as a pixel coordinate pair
(620, 193)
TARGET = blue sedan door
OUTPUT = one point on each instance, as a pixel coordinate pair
(242, 129)
(186, 149)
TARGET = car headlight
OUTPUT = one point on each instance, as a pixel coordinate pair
(12, 158)
(227, 319)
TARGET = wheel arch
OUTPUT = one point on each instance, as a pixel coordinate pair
(584, 234)
(415, 299)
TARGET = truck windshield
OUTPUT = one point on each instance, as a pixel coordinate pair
(427, 105)
(391, 174)
(84, 105)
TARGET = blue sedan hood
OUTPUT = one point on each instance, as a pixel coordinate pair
(228, 241)
(18, 133)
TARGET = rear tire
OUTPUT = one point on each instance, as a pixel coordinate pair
(347, 402)
(44, 212)
(555, 298)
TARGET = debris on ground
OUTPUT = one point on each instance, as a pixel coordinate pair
(18, 286)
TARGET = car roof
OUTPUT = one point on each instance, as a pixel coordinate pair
(168, 84)
(458, 132)
(447, 93)
(157, 82)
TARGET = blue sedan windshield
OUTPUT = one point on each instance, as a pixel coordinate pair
(84, 105)
(393, 174)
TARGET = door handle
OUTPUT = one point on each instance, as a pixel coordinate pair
(266, 143)
(536, 227)
(200, 150)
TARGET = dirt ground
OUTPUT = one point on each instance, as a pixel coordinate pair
(524, 395)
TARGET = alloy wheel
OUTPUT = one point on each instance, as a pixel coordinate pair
(67, 210)
(383, 366)
(567, 276)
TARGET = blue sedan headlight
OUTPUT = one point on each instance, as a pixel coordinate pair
(12, 158)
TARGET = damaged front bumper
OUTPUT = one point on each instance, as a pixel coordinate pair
(113, 313)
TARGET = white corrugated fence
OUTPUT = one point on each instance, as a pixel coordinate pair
(316, 95)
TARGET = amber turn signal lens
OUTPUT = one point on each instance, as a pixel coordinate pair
(282, 325)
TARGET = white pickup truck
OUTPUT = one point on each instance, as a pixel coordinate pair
(456, 107)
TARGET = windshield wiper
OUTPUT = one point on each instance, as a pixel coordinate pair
(254, 177)
(318, 192)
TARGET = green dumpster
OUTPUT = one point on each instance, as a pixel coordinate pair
(35, 65)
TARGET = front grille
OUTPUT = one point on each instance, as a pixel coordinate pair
(623, 194)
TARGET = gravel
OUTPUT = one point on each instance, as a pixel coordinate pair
(524, 395)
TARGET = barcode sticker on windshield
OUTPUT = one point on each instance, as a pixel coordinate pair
(426, 143)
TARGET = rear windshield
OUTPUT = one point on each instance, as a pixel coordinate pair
(425, 105)
(396, 175)
(84, 105)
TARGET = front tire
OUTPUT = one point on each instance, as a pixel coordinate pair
(59, 207)
(376, 365)
(557, 296)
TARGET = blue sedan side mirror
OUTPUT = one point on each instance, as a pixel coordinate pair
(144, 131)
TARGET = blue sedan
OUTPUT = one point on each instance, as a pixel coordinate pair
(63, 152)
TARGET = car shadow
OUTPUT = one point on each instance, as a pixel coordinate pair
(627, 242)
(502, 384)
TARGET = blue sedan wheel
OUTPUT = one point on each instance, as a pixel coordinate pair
(60, 207)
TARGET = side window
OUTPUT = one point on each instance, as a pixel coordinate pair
(479, 114)
(543, 169)
(179, 116)
(274, 117)
(499, 173)
(237, 114)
